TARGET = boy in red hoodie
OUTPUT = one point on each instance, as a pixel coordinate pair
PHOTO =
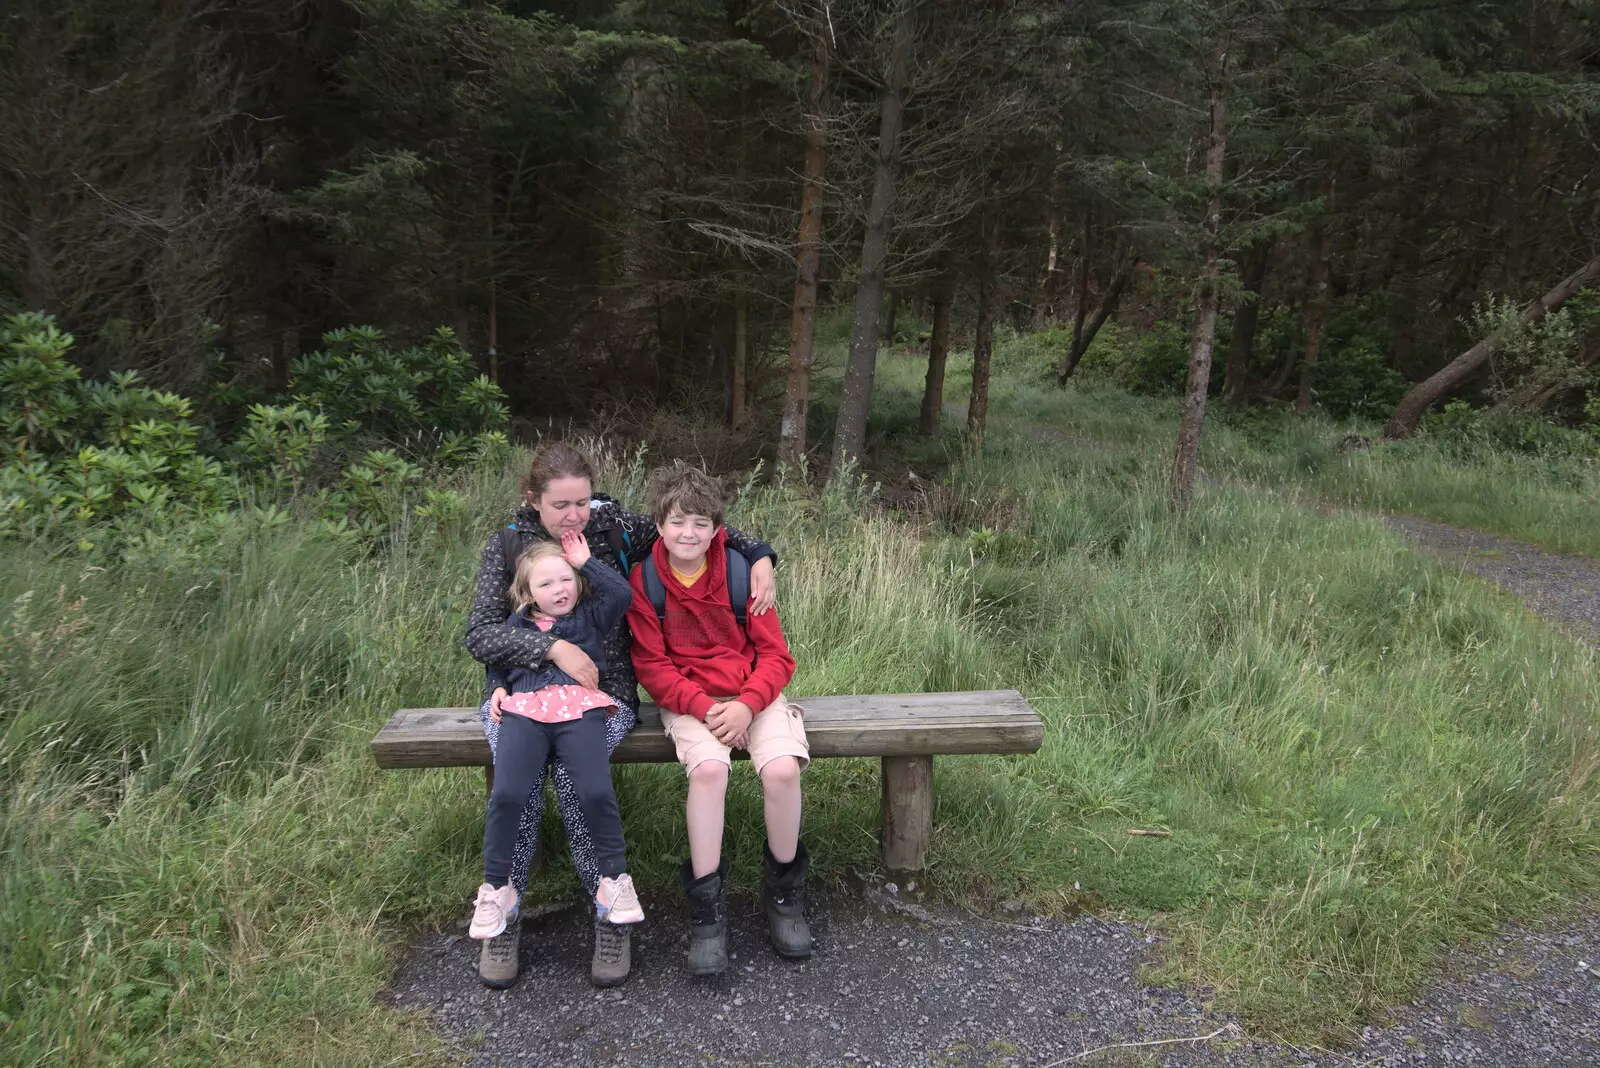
(719, 687)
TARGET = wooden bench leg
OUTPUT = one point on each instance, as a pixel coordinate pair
(907, 812)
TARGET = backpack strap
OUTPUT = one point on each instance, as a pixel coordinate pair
(738, 586)
(510, 547)
(616, 535)
(621, 545)
(653, 588)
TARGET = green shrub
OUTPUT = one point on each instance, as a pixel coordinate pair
(1154, 363)
(80, 454)
(116, 463)
(1470, 433)
(1354, 380)
(412, 397)
(1032, 357)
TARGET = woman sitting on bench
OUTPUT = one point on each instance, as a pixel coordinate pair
(558, 497)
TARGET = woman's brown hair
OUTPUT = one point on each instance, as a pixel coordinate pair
(553, 460)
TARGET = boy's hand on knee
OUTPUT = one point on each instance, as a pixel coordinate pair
(495, 698)
(729, 722)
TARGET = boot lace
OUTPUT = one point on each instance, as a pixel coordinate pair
(503, 947)
(610, 942)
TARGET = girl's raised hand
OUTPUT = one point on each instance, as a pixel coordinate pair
(575, 548)
(494, 702)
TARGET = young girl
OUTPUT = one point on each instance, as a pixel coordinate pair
(544, 709)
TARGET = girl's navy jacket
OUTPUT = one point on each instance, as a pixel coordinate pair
(586, 626)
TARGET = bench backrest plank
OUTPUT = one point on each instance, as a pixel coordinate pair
(976, 721)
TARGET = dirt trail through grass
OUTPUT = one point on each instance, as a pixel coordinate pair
(1565, 589)
(896, 983)
(1562, 589)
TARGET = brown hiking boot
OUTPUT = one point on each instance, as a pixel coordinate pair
(497, 961)
(613, 954)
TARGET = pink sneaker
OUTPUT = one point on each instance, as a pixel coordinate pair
(494, 909)
(617, 901)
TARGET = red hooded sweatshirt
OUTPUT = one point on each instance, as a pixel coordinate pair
(699, 649)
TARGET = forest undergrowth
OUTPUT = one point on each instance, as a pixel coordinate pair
(1361, 756)
(1521, 479)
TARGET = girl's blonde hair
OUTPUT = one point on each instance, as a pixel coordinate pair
(521, 592)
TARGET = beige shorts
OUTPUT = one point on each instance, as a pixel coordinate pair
(778, 730)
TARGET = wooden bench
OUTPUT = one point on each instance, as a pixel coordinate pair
(906, 730)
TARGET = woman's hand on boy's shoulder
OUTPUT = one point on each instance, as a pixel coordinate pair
(763, 586)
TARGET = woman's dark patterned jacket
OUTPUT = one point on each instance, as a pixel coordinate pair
(492, 641)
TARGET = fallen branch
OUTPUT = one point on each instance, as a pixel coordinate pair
(1224, 1029)
(1141, 832)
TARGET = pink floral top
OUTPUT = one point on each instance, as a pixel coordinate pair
(555, 704)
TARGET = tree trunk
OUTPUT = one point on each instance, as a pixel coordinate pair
(1043, 312)
(741, 358)
(1082, 309)
(1403, 421)
(891, 316)
(808, 260)
(938, 352)
(1241, 346)
(1317, 306)
(856, 401)
(1083, 336)
(494, 333)
(1187, 455)
(1274, 383)
(281, 360)
(983, 338)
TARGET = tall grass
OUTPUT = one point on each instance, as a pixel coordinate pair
(1360, 756)
(1547, 498)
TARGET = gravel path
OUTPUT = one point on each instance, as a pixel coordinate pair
(1562, 588)
(896, 984)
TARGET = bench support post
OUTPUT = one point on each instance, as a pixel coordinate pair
(907, 812)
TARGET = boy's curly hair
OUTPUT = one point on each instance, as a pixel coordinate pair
(520, 595)
(685, 489)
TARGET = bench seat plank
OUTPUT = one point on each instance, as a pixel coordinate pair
(913, 724)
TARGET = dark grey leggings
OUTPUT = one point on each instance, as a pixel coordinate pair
(519, 760)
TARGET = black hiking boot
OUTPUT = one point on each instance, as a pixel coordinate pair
(708, 920)
(783, 888)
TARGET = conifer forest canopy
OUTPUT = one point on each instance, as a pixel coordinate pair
(612, 198)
